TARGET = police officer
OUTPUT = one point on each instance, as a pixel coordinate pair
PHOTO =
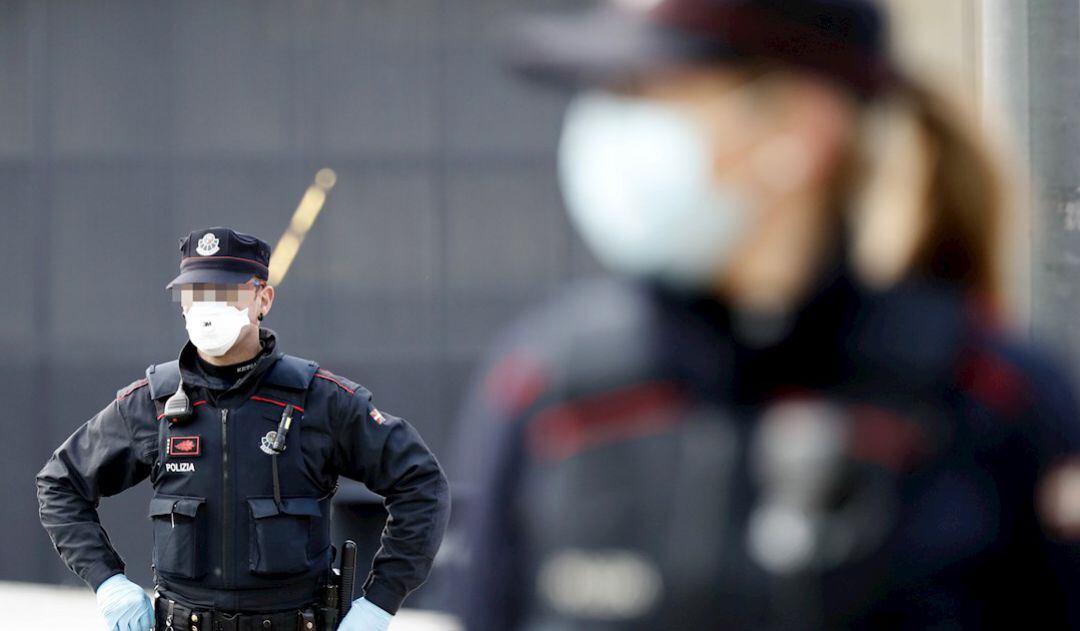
(792, 406)
(243, 445)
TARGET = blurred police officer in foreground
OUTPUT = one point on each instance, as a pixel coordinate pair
(243, 445)
(793, 407)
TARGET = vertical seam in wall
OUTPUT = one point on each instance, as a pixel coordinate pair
(41, 165)
(1031, 194)
(973, 45)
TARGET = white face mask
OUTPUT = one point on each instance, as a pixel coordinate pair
(637, 177)
(214, 327)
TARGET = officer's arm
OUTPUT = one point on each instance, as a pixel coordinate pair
(390, 458)
(100, 459)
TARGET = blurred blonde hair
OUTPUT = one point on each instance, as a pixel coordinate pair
(930, 198)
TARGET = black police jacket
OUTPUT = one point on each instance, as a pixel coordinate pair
(648, 461)
(223, 536)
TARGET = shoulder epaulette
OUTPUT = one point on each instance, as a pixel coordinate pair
(345, 384)
(126, 391)
(164, 379)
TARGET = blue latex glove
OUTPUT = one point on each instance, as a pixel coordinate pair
(365, 616)
(125, 605)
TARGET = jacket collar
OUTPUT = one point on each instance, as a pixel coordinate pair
(194, 376)
(843, 335)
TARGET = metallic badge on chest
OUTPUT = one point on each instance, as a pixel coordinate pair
(266, 444)
(184, 446)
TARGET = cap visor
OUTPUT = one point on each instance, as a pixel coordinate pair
(218, 276)
(602, 46)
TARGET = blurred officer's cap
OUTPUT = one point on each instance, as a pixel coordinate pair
(844, 40)
(221, 256)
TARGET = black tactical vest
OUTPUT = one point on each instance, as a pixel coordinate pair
(219, 526)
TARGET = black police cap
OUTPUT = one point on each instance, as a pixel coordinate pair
(221, 256)
(843, 40)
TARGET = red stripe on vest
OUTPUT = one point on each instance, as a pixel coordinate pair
(281, 404)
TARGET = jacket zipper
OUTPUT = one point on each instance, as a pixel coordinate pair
(226, 531)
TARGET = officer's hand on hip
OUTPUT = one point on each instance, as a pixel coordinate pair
(125, 605)
(365, 616)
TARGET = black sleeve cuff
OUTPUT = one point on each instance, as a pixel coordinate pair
(100, 573)
(384, 598)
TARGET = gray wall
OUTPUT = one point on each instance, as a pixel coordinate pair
(125, 124)
(1030, 74)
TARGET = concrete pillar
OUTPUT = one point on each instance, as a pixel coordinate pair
(1031, 68)
(1005, 108)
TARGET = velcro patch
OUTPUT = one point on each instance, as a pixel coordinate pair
(184, 446)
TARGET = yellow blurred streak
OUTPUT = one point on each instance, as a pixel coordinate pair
(307, 211)
(283, 257)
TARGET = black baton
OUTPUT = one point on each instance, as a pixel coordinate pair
(348, 578)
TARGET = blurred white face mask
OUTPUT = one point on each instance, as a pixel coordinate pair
(213, 327)
(637, 177)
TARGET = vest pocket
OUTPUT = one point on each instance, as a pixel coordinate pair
(179, 535)
(281, 536)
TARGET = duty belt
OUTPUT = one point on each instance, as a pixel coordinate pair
(174, 616)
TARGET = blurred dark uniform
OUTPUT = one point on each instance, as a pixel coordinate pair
(236, 528)
(645, 460)
(630, 449)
